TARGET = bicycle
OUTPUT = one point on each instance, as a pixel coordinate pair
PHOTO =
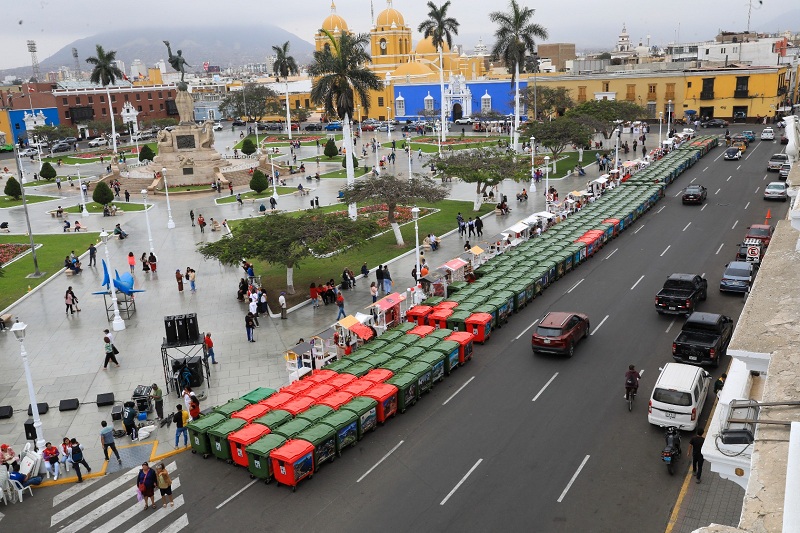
(630, 394)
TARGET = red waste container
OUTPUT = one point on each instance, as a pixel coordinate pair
(292, 462)
(276, 400)
(239, 440)
(386, 396)
(422, 330)
(447, 304)
(318, 392)
(356, 388)
(298, 405)
(251, 412)
(464, 339)
(480, 326)
(378, 375)
(297, 388)
(342, 380)
(320, 376)
(336, 399)
(418, 314)
(438, 318)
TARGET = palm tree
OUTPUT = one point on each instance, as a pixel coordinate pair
(284, 66)
(440, 28)
(340, 73)
(513, 38)
(105, 73)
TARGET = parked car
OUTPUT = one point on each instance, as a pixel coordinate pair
(559, 332)
(777, 190)
(738, 277)
(6, 147)
(767, 134)
(314, 126)
(464, 120)
(39, 144)
(238, 122)
(333, 126)
(680, 294)
(750, 135)
(367, 127)
(732, 154)
(714, 123)
(70, 140)
(762, 232)
(27, 152)
(217, 126)
(783, 173)
(739, 116)
(776, 161)
(98, 141)
(141, 136)
(60, 147)
(694, 194)
(678, 396)
(703, 339)
(386, 127)
(739, 138)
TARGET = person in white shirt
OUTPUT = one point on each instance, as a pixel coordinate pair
(254, 309)
(282, 302)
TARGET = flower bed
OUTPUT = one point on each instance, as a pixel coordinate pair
(454, 140)
(284, 138)
(379, 214)
(9, 252)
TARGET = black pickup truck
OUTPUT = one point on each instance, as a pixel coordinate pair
(680, 294)
(703, 340)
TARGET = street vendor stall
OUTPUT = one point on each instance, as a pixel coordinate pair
(434, 283)
(388, 311)
(456, 269)
(518, 233)
(476, 256)
(495, 245)
(352, 332)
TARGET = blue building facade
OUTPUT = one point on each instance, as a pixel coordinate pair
(468, 98)
(17, 122)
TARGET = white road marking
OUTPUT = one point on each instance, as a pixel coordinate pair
(662, 255)
(177, 525)
(390, 452)
(705, 169)
(459, 390)
(1, 516)
(575, 286)
(757, 188)
(678, 194)
(717, 191)
(463, 479)
(96, 495)
(72, 491)
(662, 208)
(765, 177)
(526, 330)
(704, 206)
(703, 275)
(124, 516)
(612, 253)
(720, 155)
(235, 494)
(729, 178)
(545, 386)
(734, 224)
(600, 324)
(739, 167)
(152, 519)
(670, 325)
(641, 278)
(637, 230)
(748, 205)
(687, 226)
(574, 477)
(693, 180)
(720, 248)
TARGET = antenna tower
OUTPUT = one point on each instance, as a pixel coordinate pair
(34, 60)
(77, 64)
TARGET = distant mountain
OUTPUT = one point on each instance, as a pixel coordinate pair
(199, 44)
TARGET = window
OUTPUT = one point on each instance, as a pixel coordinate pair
(651, 109)
(113, 98)
(399, 107)
(139, 108)
(149, 96)
(582, 94)
(151, 107)
(630, 94)
(138, 97)
(380, 101)
(689, 85)
(66, 113)
(91, 99)
(77, 100)
(102, 99)
(160, 95)
(160, 107)
(707, 51)
(103, 112)
(486, 103)
(114, 110)
(742, 86)
(64, 101)
(651, 89)
(126, 97)
(721, 50)
(606, 86)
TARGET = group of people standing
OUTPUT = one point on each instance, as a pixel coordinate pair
(471, 227)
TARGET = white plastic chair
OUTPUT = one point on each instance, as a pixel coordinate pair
(16, 485)
(5, 486)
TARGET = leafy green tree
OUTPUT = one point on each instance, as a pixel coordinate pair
(284, 66)
(440, 28)
(331, 150)
(48, 172)
(259, 182)
(601, 115)
(393, 191)
(550, 101)
(103, 194)
(12, 188)
(146, 153)
(355, 161)
(558, 134)
(287, 240)
(300, 114)
(485, 167)
(253, 102)
(105, 73)
(248, 147)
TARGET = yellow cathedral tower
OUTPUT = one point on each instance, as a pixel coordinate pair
(390, 40)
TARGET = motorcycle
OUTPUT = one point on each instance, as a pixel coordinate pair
(672, 450)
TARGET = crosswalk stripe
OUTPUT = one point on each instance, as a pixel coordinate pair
(151, 520)
(72, 491)
(100, 493)
(129, 513)
(177, 525)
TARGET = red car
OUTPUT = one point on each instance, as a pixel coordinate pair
(762, 232)
(559, 332)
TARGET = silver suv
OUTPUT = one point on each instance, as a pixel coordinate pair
(776, 161)
(783, 173)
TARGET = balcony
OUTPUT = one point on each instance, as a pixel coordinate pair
(669, 96)
(706, 95)
(741, 93)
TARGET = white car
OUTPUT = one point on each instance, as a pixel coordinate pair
(27, 152)
(99, 141)
(689, 131)
(767, 134)
(464, 120)
(777, 190)
(217, 126)
(678, 398)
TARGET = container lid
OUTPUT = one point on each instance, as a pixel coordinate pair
(292, 428)
(418, 367)
(340, 365)
(256, 395)
(440, 333)
(406, 340)
(206, 422)
(360, 404)
(317, 433)
(377, 359)
(419, 310)
(395, 364)
(223, 429)
(336, 399)
(297, 387)
(292, 450)
(266, 444)
(249, 433)
(381, 390)
(320, 376)
(389, 336)
(450, 343)
(341, 380)
(298, 405)
(359, 369)
(315, 412)
(403, 379)
(378, 375)
(448, 304)
(431, 357)
(422, 331)
(357, 387)
(441, 314)
(412, 352)
(405, 326)
(277, 399)
(273, 419)
(320, 391)
(341, 417)
(231, 407)
(251, 412)
(460, 315)
(478, 318)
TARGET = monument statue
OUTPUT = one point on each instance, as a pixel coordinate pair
(177, 61)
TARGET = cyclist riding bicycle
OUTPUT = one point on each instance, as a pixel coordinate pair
(631, 381)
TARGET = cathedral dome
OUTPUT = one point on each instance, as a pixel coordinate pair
(390, 16)
(425, 46)
(334, 22)
(413, 69)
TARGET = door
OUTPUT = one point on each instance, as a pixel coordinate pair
(458, 111)
(706, 112)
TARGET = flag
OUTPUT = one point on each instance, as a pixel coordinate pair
(31, 89)
(124, 77)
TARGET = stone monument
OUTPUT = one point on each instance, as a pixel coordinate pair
(187, 151)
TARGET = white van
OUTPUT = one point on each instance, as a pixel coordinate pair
(679, 396)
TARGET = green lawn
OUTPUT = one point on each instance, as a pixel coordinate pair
(184, 188)
(324, 159)
(252, 195)
(95, 155)
(568, 160)
(342, 173)
(14, 284)
(38, 183)
(7, 201)
(94, 207)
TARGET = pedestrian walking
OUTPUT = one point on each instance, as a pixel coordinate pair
(230, 187)
(92, 255)
(696, 451)
(71, 301)
(720, 383)
(470, 228)
(253, 308)
(249, 325)
(111, 352)
(239, 198)
(387, 280)
(145, 264)
(127, 196)
(146, 483)
(77, 458)
(157, 395)
(462, 227)
(129, 414)
(191, 215)
(164, 484)
(131, 262)
(340, 305)
(192, 279)
(479, 226)
(273, 203)
(282, 303)
(107, 441)
(179, 279)
(181, 418)
(58, 181)
(152, 260)
(209, 344)
(379, 277)
(201, 222)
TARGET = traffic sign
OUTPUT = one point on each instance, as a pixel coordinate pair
(753, 252)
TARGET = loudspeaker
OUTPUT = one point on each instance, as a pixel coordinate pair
(105, 399)
(43, 408)
(116, 412)
(6, 411)
(68, 405)
(195, 364)
(183, 333)
(171, 330)
(192, 329)
(177, 364)
(30, 431)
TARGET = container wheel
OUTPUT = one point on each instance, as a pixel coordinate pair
(402, 411)
(194, 451)
(252, 476)
(294, 488)
(205, 456)
(229, 461)
(266, 481)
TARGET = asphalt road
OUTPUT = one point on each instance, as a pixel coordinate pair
(518, 442)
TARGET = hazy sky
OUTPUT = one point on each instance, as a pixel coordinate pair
(591, 24)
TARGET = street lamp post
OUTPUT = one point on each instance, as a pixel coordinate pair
(388, 124)
(19, 332)
(618, 131)
(415, 216)
(147, 220)
(118, 324)
(547, 182)
(669, 117)
(409, 155)
(660, 121)
(170, 222)
(36, 272)
(533, 163)
(84, 211)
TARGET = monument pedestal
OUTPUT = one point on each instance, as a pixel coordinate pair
(188, 154)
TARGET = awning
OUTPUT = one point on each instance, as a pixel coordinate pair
(364, 332)
(476, 250)
(364, 318)
(544, 214)
(348, 321)
(436, 275)
(387, 302)
(519, 227)
(601, 180)
(455, 264)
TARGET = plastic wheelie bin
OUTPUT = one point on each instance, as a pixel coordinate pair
(378, 375)
(422, 331)
(457, 319)
(316, 413)
(446, 304)
(239, 440)
(320, 376)
(404, 327)
(198, 432)
(451, 351)
(367, 411)
(377, 359)
(419, 314)
(319, 392)
(405, 340)
(464, 339)
(412, 352)
(297, 388)
(357, 387)
(407, 389)
(395, 365)
(480, 326)
(345, 424)
(274, 419)
(323, 437)
(336, 399)
(277, 399)
(427, 343)
(256, 395)
(438, 318)
(218, 436)
(298, 405)
(340, 365)
(231, 407)
(389, 336)
(292, 462)
(359, 369)
(436, 360)
(258, 462)
(424, 373)
(341, 380)
(440, 333)
(292, 428)
(386, 396)
(251, 412)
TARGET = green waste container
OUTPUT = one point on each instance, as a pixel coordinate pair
(341, 365)
(424, 373)
(377, 359)
(436, 360)
(316, 413)
(345, 423)
(394, 364)
(433, 300)
(366, 409)
(407, 389)
(274, 419)
(456, 321)
(412, 352)
(450, 351)
(231, 407)
(404, 327)
(218, 435)
(359, 369)
(406, 340)
(258, 462)
(391, 335)
(256, 395)
(360, 356)
(292, 428)
(323, 437)
(427, 343)
(198, 432)
(440, 333)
